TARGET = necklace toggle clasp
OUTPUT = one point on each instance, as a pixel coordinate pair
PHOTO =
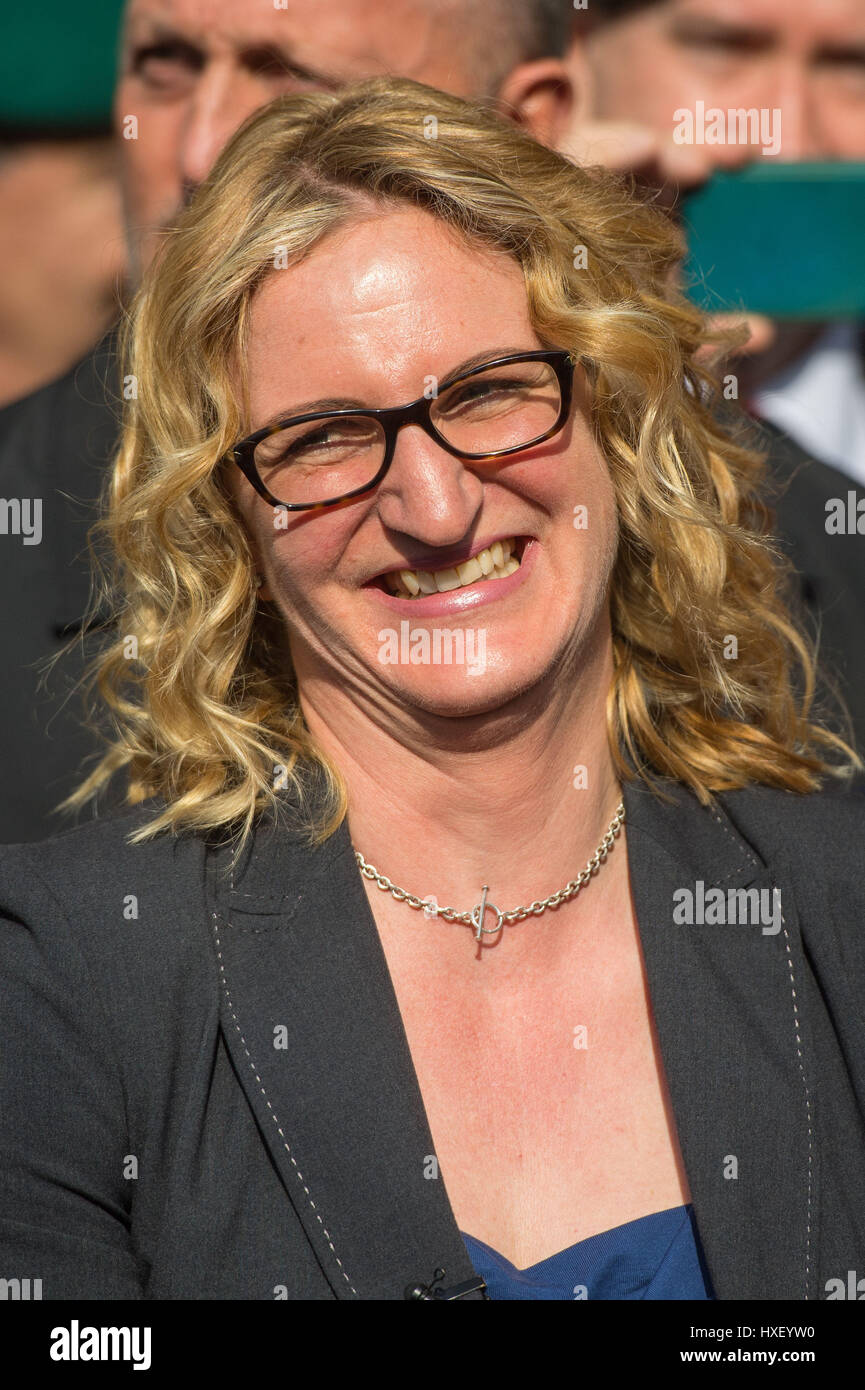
(480, 911)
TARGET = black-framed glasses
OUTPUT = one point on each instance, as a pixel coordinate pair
(499, 408)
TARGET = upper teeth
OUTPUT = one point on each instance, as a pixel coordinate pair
(496, 562)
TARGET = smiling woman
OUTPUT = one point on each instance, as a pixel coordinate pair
(336, 244)
(442, 599)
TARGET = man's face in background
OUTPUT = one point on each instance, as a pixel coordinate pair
(805, 58)
(193, 70)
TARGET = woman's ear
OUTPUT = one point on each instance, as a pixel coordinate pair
(262, 588)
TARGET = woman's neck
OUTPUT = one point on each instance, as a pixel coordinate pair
(518, 800)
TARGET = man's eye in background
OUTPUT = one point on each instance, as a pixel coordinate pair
(720, 42)
(846, 67)
(165, 65)
(273, 66)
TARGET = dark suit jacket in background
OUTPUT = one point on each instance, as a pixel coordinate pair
(830, 568)
(156, 1143)
(57, 443)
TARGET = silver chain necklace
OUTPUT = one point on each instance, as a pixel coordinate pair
(475, 918)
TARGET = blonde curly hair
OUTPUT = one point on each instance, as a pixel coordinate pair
(198, 682)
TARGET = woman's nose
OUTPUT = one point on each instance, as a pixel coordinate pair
(427, 492)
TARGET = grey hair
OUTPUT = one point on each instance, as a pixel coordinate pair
(541, 27)
(502, 34)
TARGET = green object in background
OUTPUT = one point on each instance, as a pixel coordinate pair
(58, 61)
(785, 240)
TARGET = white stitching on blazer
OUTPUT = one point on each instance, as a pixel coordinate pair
(215, 917)
(754, 861)
(807, 1094)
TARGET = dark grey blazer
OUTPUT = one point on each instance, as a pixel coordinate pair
(207, 1090)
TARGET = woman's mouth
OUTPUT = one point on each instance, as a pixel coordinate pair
(497, 561)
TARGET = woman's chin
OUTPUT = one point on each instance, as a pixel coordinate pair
(484, 681)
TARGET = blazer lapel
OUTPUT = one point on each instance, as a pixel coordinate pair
(312, 1022)
(734, 1040)
(313, 1025)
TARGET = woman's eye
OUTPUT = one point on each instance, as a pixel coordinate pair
(473, 393)
(478, 391)
(495, 394)
(326, 444)
(319, 439)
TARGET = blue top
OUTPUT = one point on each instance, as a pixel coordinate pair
(657, 1256)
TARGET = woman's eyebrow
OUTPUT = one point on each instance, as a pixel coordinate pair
(353, 403)
(488, 355)
(313, 407)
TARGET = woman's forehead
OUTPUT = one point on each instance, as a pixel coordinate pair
(384, 298)
(361, 265)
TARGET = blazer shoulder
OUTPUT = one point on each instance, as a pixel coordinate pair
(90, 881)
(98, 843)
(821, 831)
